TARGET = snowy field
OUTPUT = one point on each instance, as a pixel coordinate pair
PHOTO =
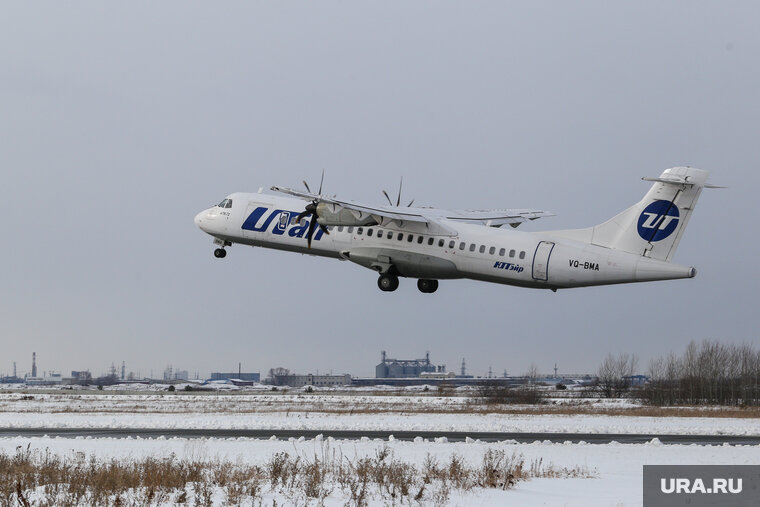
(336, 412)
(615, 469)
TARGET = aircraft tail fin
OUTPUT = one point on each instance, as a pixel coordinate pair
(654, 226)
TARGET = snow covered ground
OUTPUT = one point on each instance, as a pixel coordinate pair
(333, 412)
(617, 468)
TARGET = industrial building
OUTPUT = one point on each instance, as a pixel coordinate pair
(405, 368)
(294, 380)
(247, 377)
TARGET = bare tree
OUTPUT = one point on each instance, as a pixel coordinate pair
(615, 374)
(532, 373)
(709, 373)
(275, 373)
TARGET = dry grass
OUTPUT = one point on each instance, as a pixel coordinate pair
(347, 405)
(565, 409)
(31, 477)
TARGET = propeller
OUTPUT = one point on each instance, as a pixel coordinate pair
(311, 209)
(398, 199)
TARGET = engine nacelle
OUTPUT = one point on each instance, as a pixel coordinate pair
(330, 214)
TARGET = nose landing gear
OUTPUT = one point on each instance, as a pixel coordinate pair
(427, 286)
(220, 253)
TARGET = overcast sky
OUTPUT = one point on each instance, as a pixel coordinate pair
(119, 122)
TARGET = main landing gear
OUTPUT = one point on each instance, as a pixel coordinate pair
(427, 286)
(387, 282)
(220, 253)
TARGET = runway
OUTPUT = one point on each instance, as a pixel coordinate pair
(451, 436)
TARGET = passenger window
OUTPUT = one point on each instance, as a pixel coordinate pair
(461, 245)
(482, 248)
(472, 247)
(492, 250)
(400, 236)
(369, 232)
(511, 253)
(340, 228)
(419, 239)
(441, 242)
(359, 230)
(502, 252)
(410, 238)
(522, 255)
(451, 244)
(350, 230)
(390, 235)
(430, 241)
(380, 233)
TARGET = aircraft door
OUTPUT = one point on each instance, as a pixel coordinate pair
(541, 260)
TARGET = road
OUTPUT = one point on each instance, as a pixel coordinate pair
(451, 436)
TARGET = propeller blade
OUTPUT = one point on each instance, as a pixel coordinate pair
(312, 226)
(307, 186)
(321, 181)
(398, 201)
(386, 196)
(301, 215)
(324, 228)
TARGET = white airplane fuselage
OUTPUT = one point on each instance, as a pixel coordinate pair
(548, 260)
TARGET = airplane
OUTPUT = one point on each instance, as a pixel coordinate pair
(431, 244)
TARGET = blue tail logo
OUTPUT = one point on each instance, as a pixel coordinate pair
(658, 221)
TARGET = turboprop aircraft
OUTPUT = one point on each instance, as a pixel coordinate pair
(432, 244)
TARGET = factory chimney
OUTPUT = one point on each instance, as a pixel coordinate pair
(14, 369)
(34, 364)
(122, 370)
(463, 368)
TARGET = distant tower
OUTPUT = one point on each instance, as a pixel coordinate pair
(382, 356)
(14, 369)
(555, 370)
(463, 368)
(122, 370)
(427, 357)
(490, 371)
(505, 373)
(34, 364)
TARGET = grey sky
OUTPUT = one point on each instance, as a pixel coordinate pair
(119, 122)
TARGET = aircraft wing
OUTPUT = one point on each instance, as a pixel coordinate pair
(431, 216)
(382, 213)
(497, 217)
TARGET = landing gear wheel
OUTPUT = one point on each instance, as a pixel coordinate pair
(220, 253)
(427, 286)
(387, 282)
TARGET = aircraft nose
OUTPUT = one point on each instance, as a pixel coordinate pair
(199, 219)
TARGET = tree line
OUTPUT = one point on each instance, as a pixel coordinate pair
(707, 373)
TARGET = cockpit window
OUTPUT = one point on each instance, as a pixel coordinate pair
(227, 203)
